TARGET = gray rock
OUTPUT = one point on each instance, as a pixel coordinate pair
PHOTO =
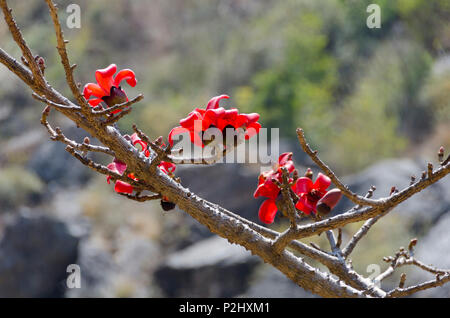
(434, 249)
(97, 269)
(34, 254)
(424, 207)
(271, 283)
(56, 166)
(143, 252)
(230, 181)
(126, 273)
(210, 268)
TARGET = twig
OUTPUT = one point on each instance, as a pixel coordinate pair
(339, 238)
(446, 161)
(143, 198)
(346, 251)
(104, 170)
(17, 68)
(405, 257)
(57, 135)
(334, 247)
(55, 105)
(18, 38)
(116, 118)
(61, 47)
(313, 154)
(121, 106)
(401, 292)
(286, 237)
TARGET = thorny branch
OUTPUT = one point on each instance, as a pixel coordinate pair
(273, 247)
(406, 257)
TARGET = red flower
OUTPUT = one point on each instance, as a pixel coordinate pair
(267, 188)
(328, 201)
(310, 193)
(107, 88)
(120, 167)
(200, 120)
(312, 197)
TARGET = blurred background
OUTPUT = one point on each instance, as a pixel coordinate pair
(375, 102)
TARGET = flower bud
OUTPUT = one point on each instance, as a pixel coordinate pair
(116, 96)
(167, 206)
(40, 62)
(309, 173)
(441, 153)
(328, 201)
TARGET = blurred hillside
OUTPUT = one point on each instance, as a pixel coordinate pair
(362, 95)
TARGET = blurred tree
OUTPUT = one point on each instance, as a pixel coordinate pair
(298, 89)
(384, 109)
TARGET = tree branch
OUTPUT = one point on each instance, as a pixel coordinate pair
(18, 38)
(61, 47)
(313, 154)
(259, 240)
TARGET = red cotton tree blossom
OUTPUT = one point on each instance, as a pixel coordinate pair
(199, 120)
(267, 187)
(108, 88)
(309, 195)
(120, 167)
(140, 165)
(313, 195)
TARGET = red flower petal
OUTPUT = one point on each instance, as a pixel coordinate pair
(93, 89)
(212, 117)
(176, 131)
(252, 129)
(196, 139)
(112, 167)
(252, 118)
(290, 166)
(123, 187)
(240, 121)
(127, 75)
(134, 137)
(117, 166)
(231, 114)
(200, 111)
(94, 102)
(267, 189)
(189, 121)
(322, 182)
(303, 206)
(167, 167)
(267, 211)
(104, 77)
(214, 102)
(304, 185)
(284, 158)
(136, 140)
(331, 198)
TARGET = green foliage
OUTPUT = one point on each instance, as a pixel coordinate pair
(17, 186)
(297, 90)
(372, 116)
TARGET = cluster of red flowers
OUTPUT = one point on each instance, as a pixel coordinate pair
(199, 120)
(312, 196)
(120, 167)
